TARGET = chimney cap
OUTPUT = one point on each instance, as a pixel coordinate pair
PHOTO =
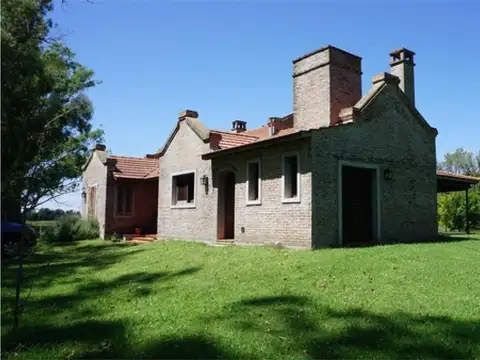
(188, 113)
(401, 55)
(401, 50)
(100, 147)
(239, 125)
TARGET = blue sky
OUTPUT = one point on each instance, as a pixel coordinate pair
(233, 60)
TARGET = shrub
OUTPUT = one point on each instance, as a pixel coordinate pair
(72, 228)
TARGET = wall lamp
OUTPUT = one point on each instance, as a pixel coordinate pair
(387, 174)
(84, 195)
(204, 180)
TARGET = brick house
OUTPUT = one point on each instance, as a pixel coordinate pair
(121, 192)
(343, 168)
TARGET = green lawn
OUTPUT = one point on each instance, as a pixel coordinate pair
(42, 222)
(96, 299)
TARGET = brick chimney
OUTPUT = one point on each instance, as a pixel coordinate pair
(239, 126)
(325, 82)
(274, 125)
(401, 65)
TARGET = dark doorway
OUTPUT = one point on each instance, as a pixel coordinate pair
(226, 205)
(359, 208)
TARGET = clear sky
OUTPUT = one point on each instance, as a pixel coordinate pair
(232, 60)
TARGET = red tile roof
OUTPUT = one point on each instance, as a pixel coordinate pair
(134, 168)
(448, 174)
(228, 139)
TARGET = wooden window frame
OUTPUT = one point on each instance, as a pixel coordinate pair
(296, 199)
(174, 204)
(122, 214)
(257, 201)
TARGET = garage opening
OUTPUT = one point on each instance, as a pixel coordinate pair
(359, 205)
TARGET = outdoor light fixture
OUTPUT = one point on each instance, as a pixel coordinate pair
(387, 174)
(84, 195)
(204, 180)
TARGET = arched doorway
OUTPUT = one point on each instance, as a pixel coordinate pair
(226, 205)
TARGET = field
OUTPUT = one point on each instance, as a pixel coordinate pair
(97, 299)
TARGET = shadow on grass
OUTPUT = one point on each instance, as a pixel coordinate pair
(50, 264)
(108, 340)
(104, 339)
(317, 331)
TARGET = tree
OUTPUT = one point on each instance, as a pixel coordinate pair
(462, 162)
(46, 116)
(451, 206)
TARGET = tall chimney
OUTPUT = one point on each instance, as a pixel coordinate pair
(324, 82)
(401, 65)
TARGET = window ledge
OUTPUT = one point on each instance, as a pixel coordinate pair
(183, 206)
(254, 202)
(294, 200)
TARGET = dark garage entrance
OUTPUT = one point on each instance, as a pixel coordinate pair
(359, 206)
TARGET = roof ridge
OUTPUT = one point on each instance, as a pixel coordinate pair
(232, 133)
(129, 157)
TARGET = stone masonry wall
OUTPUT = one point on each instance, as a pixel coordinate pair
(199, 223)
(272, 220)
(391, 137)
(96, 174)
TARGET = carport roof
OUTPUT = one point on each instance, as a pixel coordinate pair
(447, 181)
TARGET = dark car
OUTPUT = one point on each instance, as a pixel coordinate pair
(17, 239)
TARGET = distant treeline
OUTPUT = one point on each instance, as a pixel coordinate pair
(49, 214)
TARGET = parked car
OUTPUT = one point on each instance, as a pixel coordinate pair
(12, 236)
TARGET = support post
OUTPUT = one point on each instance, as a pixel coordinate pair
(467, 225)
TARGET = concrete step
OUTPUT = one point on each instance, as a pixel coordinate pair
(225, 242)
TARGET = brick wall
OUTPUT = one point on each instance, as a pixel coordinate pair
(390, 137)
(96, 174)
(272, 220)
(184, 154)
(145, 203)
(324, 82)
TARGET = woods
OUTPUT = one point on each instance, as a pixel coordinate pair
(46, 114)
(451, 206)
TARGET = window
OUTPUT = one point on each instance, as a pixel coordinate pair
(124, 200)
(291, 178)
(183, 190)
(92, 200)
(254, 182)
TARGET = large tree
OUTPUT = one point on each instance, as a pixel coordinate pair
(451, 206)
(46, 116)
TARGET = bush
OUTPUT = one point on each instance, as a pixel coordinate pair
(72, 228)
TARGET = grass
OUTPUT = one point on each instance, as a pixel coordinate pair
(96, 299)
(42, 223)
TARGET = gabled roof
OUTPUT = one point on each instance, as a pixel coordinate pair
(125, 167)
(380, 82)
(101, 154)
(191, 119)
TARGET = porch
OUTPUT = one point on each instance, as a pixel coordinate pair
(450, 182)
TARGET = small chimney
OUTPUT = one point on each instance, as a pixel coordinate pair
(273, 125)
(325, 82)
(401, 65)
(100, 147)
(239, 126)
